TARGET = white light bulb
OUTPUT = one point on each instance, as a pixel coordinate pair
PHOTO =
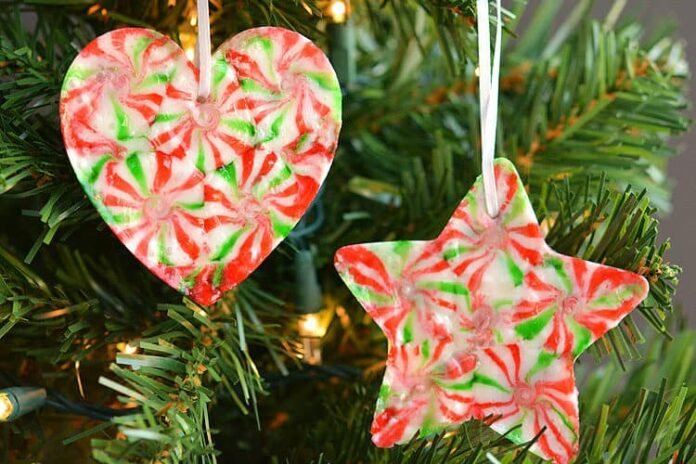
(338, 10)
(190, 53)
(310, 324)
(6, 408)
(130, 349)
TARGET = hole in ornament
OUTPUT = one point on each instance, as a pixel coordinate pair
(206, 115)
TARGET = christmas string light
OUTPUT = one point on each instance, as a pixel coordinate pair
(341, 41)
(187, 37)
(338, 10)
(18, 401)
(316, 317)
(310, 333)
(128, 348)
(188, 43)
(195, 40)
(6, 407)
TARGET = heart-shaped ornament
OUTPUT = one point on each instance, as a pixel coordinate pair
(201, 190)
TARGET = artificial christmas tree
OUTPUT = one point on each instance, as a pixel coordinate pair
(133, 373)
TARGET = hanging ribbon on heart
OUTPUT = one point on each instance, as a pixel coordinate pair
(201, 171)
(485, 321)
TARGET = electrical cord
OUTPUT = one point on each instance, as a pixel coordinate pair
(61, 403)
(313, 372)
(303, 228)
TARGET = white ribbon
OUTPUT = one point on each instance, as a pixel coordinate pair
(488, 95)
(203, 53)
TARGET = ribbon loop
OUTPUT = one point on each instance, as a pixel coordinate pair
(488, 96)
(203, 52)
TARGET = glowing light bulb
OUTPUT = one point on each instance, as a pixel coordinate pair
(312, 327)
(193, 21)
(310, 324)
(188, 43)
(6, 407)
(128, 348)
(338, 11)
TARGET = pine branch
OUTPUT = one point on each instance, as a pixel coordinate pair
(34, 172)
(612, 111)
(72, 313)
(651, 416)
(79, 314)
(183, 361)
(619, 230)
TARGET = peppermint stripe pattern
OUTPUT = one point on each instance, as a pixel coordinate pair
(485, 321)
(201, 191)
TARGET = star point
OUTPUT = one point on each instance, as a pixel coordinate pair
(485, 320)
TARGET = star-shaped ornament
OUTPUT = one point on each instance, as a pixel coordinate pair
(485, 321)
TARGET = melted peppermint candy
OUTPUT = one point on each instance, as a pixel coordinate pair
(485, 321)
(201, 190)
